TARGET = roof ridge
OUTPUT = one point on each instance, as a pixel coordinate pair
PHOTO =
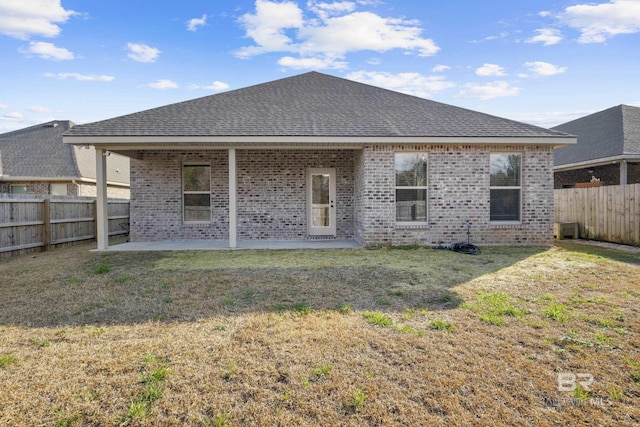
(36, 126)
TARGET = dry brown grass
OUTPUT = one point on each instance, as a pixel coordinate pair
(279, 337)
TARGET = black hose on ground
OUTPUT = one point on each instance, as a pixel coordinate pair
(465, 248)
(462, 247)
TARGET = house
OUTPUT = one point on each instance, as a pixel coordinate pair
(607, 152)
(315, 156)
(35, 160)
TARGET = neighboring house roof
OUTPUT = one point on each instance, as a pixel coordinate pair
(39, 152)
(608, 134)
(310, 105)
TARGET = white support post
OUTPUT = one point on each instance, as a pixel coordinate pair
(102, 212)
(623, 172)
(233, 232)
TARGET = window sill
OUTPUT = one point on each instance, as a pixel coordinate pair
(416, 224)
(505, 224)
(196, 224)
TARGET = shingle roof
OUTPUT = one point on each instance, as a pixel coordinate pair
(38, 151)
(611, 132)
(311, 104)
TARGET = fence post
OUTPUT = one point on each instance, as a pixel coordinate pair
(46, 214)
(95, 217)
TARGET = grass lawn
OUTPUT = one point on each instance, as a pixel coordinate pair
(401, 336)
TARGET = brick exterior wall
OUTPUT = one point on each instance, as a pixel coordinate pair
(272, 192)
(156, 196)
(608, 175)
(271, 195)
(458, 190)
(633, 173)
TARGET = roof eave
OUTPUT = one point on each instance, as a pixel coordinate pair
(597, 162)
(181, 142)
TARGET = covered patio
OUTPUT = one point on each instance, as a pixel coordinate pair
(209, 245)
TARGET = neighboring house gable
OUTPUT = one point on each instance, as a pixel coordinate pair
(37, 160)
(608, 148)
(317, 156)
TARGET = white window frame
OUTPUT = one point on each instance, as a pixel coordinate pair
(508, 187)
(418, 187)
(187, 164)
(66, 189)
(26, 189)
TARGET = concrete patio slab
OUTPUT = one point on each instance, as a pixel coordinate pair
(212, 245)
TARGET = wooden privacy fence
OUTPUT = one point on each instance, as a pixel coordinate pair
(610, 213)
(42, 222)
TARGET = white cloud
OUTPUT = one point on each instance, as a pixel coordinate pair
(22, 19)
(338, 30)
(80, 77)
(325, 10)
(39, 109)
(548, 119)
(3, 106)
(163, 84)
(410, 83)
(193, 24)
(215, 86)
(488, 70)
(48, 51)
(502, 35)
(546, 36)
(311, 63)
(542, 69)
(365, 31)
(267, 27)
(14, 116)
(599, 22)
(440, 68)
(488, 91)
(544, 13)
(142, 52)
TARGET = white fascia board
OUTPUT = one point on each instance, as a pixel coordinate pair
(597, 162)
(39, 178)
(182, 142)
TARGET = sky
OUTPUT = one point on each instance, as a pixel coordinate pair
(540, 62)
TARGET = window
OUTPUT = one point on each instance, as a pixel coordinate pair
(196, 193)
(505, 187)
(18, 189)
(58, 189)
(411, 187)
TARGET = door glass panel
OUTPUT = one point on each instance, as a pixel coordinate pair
(320, 200)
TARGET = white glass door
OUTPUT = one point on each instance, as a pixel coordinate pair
(321, 202)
